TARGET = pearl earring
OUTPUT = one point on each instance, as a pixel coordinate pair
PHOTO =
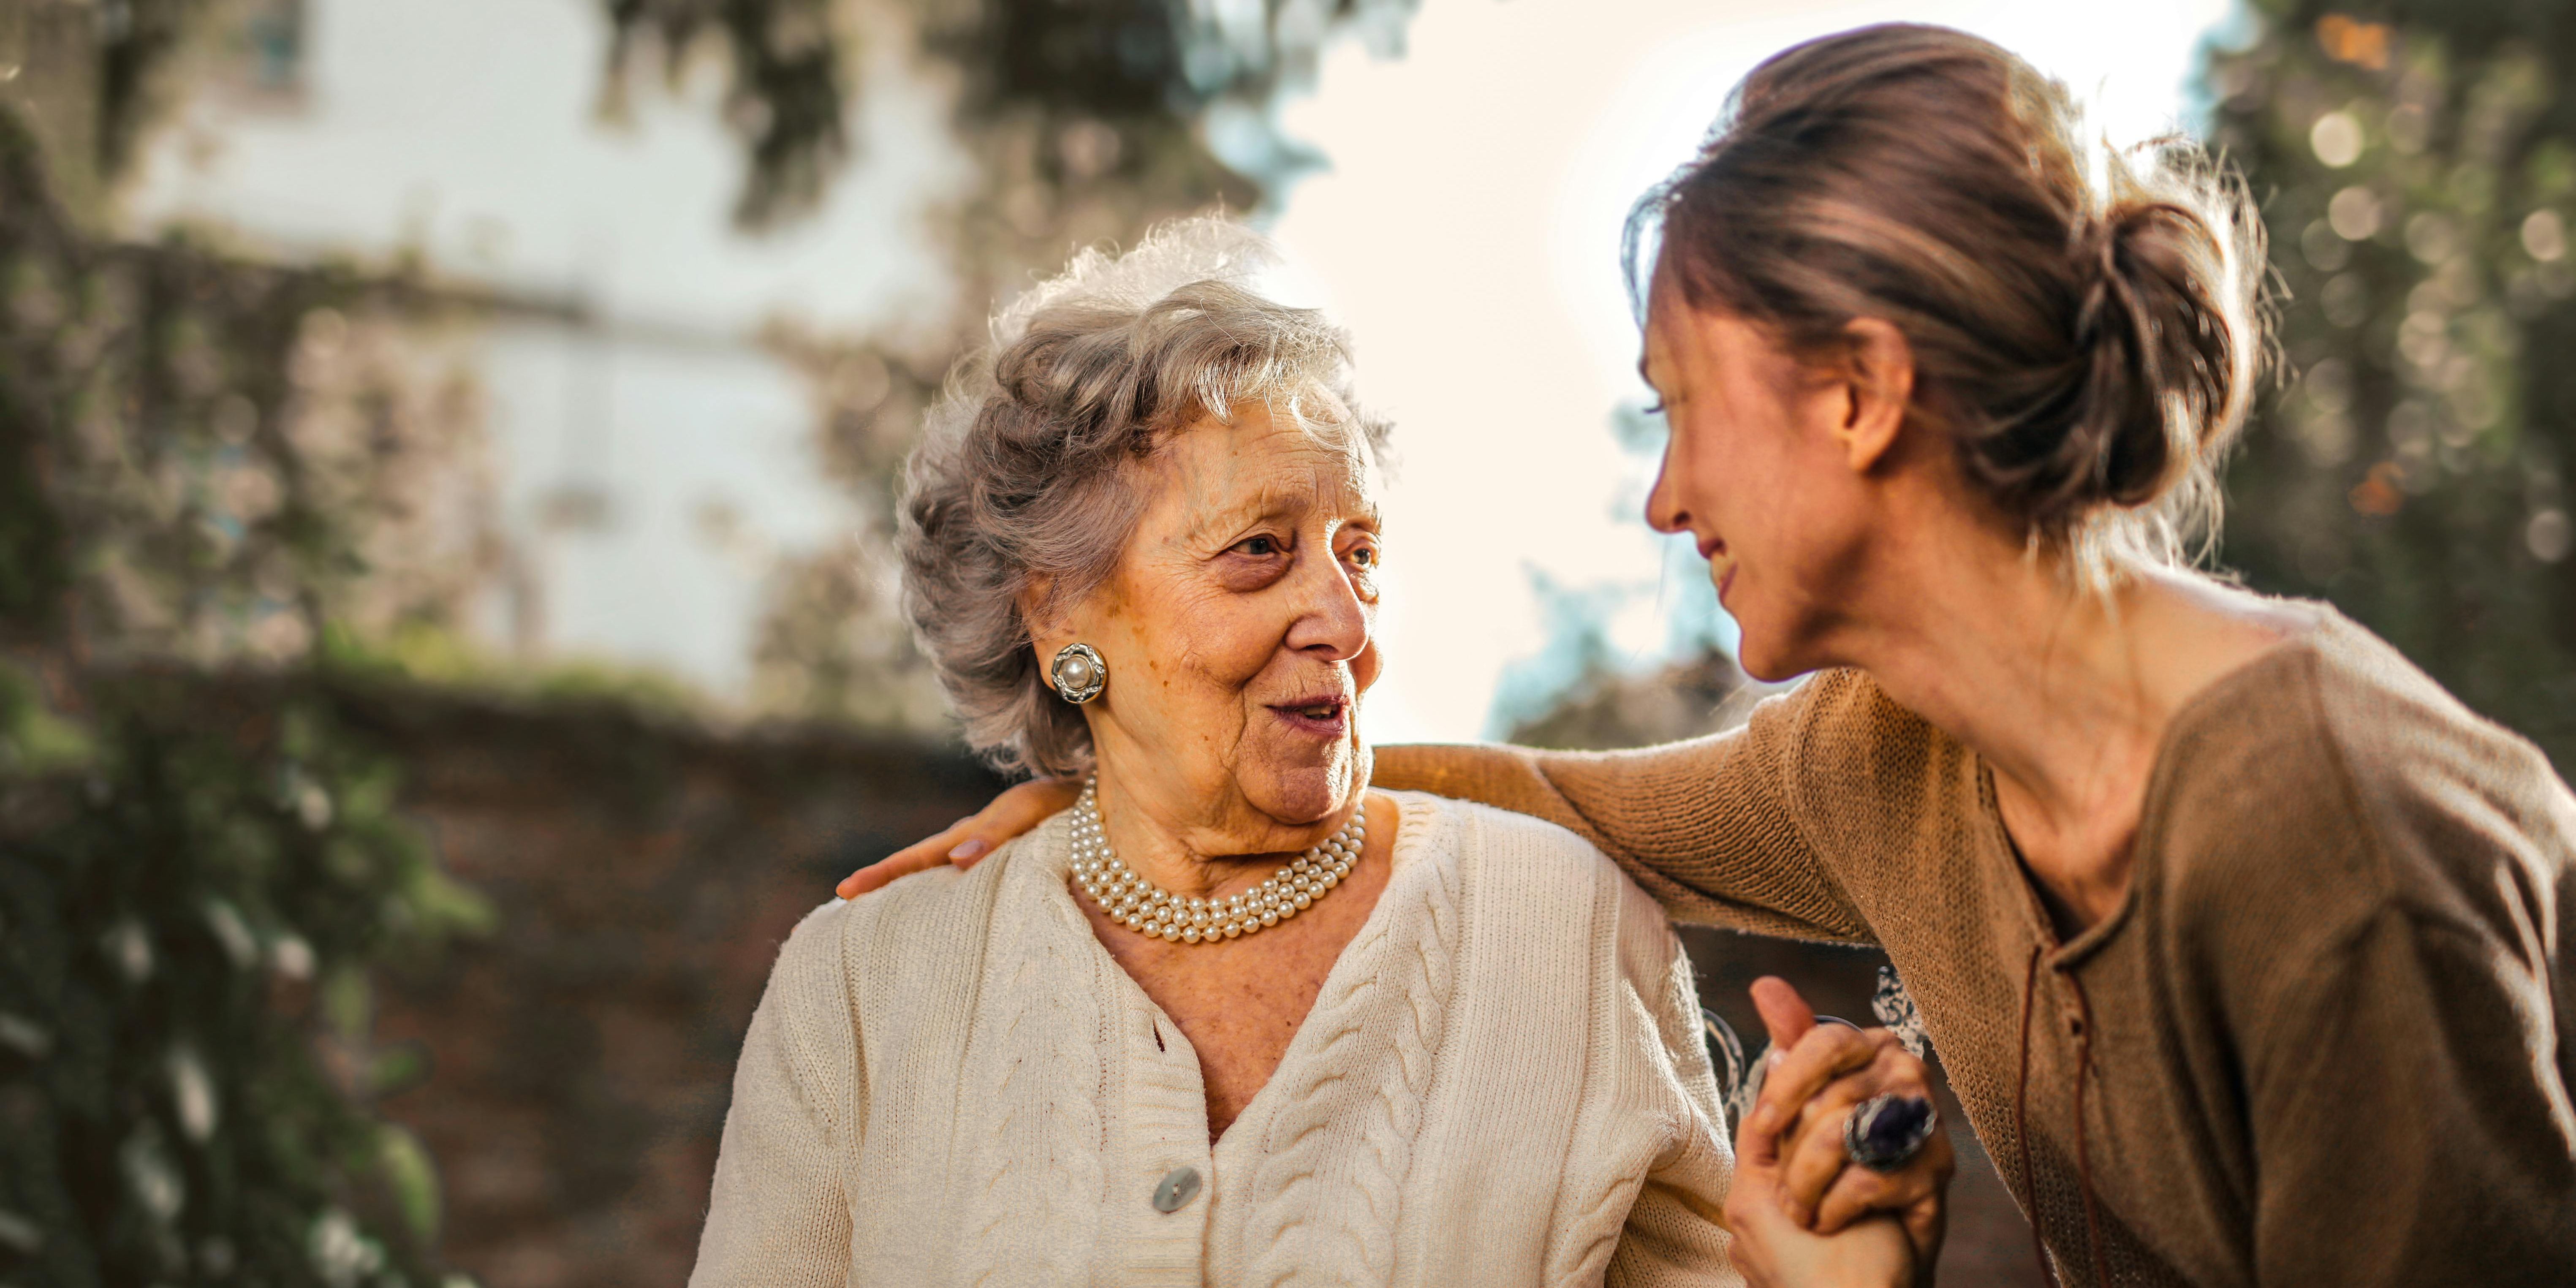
(1079, 673)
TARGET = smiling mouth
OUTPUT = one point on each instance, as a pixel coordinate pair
(1325, 715)
(1721, 563)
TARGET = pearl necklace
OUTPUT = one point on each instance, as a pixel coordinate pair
(1140, 905)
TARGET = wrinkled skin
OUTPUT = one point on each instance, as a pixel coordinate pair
(1238, 630)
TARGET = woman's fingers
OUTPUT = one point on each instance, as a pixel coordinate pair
(1812, 1155)
(968, 840)
(1816, 1156)
(1857, 1191)
(1915, 1195)
(1784, 1012)
(920, 856)
(1827, 1052)
(1772, 1251)
(1013, 812)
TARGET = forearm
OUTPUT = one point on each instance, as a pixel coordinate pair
(1705, 826)
(1505, 777)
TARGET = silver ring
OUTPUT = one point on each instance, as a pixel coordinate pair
(1079, 673)
(1885, 1132)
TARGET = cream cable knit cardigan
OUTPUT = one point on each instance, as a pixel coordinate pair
(1502, 1083)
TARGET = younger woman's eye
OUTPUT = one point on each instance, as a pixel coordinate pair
(1364, 556)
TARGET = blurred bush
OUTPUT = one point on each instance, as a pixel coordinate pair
(191, 909)
(191, 916)
(239, 497)
(2416, 165)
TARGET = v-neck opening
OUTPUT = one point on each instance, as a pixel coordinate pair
(1413, 821)
(2073, 950)
(1412, 825)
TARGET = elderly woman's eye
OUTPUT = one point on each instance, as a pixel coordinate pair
(1258, 547)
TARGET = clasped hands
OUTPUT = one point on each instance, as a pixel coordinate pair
(1801, 1213)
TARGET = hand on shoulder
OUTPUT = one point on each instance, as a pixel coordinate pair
(966, 841)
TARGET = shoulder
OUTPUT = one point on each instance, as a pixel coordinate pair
(2391, 724)
(1498, 845)
(813, 949)
(945, 891)
(924, 923)
(810, 980)
(2456, 802)
(2336, 774)
(1528, 871)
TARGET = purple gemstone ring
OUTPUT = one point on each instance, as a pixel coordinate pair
(1884, 1132)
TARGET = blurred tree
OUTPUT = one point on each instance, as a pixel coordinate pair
(193, 909)
(222, 476)
(202, 457)
(1106, 89)
(2416, 165)
(1087, 121)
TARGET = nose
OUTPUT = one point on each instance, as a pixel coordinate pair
(1664, 512)
(1333, 620)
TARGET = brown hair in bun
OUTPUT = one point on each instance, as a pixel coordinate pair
(2085, 323)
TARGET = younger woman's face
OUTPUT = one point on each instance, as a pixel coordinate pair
(1755, 472)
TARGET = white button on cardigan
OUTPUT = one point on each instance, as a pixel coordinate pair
(1502, 1082)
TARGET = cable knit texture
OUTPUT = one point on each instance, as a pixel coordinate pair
(951, 1082)
(2334, 1022)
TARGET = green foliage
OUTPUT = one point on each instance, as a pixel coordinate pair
(423, 653)
(135, 38)
(1145, 72)
(201, 458)
(140, 393)
(785, 86)
(191, 920)
(192, 898)
(2417, 168)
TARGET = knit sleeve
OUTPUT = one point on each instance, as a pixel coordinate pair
(779, 1216)
(1672, 1236)
(2375, 906)
(2387, 1154)
(1705, 826)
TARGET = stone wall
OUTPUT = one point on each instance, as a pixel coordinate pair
(574, 1067)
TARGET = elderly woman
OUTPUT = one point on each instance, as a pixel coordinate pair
(1233, 1017)
(2246, 945)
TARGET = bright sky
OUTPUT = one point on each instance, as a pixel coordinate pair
(1468, 234)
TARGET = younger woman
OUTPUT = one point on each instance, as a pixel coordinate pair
(2243, 943)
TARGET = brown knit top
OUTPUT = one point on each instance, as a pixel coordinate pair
(2329, 1037)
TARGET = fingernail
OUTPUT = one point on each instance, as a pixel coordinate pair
(973, 849)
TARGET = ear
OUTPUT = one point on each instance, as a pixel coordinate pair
(1878, 386)
(1046, 631)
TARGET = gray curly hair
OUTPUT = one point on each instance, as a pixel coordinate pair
(1026, 468)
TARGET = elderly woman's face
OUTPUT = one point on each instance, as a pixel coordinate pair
(1239, 628)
